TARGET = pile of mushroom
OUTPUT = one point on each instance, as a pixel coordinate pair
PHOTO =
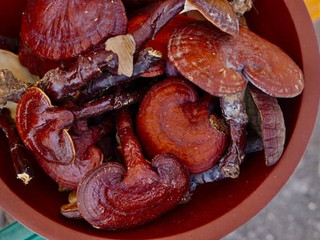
(196, 82)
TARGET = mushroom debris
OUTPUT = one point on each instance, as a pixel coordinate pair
(203, 94)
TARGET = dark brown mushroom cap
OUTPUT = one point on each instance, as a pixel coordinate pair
(267, 119)
(43, 127)
(218, 12)
(61, 29)
(172, 119)
(221, 64)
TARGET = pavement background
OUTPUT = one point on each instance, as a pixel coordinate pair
(294, 214)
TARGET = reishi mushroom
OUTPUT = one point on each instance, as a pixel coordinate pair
(266, 118)
(88, 157)
(173, 120)
(43, 127)
(54, 32)
(222, 65)
(115, 197)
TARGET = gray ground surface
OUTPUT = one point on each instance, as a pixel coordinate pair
(294, 214)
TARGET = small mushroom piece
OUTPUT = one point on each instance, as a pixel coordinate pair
(218, 12)
(43, 127)
(266, 118)
(234, 111)
(173, 120)
(221, 64)
(70, 210)
(59, 30)
(20, 156)
(116, 197)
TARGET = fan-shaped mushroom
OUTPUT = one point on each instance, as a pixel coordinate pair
(221, 64)
(59, 30)
(112, 197)
(87, 157)
(173, 120)
(43, 127)
(266, 118)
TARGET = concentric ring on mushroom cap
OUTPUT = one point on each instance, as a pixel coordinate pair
(60, 29)
(219, 64)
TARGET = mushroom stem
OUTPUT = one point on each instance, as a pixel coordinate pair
(147, 59)
(113, 197)
(131, 149)
(59, 83)
(108, 103)
(20, 156)
(234, 110)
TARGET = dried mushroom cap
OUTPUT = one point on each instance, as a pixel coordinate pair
(61, 29)
(204, 65)
(218, 12)
(43, 127)
(222, 65)
(266, 118)
(172, 119)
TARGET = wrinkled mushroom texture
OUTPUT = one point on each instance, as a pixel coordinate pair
(266, 118)
(43, 127)
(61, 29)
(221, 64)
(173, 120)
(115, 197)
